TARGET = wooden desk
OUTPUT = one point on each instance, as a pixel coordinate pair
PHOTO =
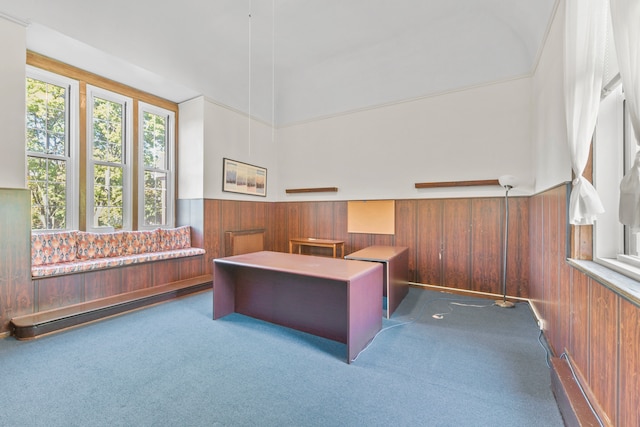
(396, 271)
(318, 243)
(333, 298)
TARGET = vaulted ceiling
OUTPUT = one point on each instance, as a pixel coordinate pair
(286, 61)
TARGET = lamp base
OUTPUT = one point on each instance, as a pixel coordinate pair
(505, 304)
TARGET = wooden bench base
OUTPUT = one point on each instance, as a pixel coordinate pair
(33, 325)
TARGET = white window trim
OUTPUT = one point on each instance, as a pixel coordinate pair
(609, 167)
(73, 162)
(96, 92)
(142, 108)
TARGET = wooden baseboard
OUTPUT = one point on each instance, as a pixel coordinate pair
(573, 405)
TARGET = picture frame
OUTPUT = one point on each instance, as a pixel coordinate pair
(243, 178)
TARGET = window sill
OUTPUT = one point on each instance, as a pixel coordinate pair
(608, 272)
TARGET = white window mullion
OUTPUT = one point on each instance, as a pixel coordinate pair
(156, 148)
(69, 157)
(109, 153)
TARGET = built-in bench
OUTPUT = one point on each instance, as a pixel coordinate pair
(80, 276)
(69, 252)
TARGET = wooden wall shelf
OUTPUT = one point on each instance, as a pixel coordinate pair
(457, 183)
(312, 190)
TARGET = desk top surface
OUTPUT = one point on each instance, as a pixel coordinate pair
(377, 253)
(308, 265)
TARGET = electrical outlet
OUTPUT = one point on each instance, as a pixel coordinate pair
(541, 324)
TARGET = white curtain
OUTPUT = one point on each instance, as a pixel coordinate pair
(584, 46)
(625, 17)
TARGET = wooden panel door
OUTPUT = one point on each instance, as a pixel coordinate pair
(406, 232)
(429, 250)
(456, 253)
(487, 230)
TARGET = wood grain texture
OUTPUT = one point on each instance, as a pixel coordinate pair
(16, 293)
(578, 344)
(190, 267)
(420, 226)
(457, 183)
(603, 349)
(487, 225)
(167, 271)
(311, 190)
(49, 64)
(54, 292)
(102, 283)
(551, 263)
(629, 339)
(429, 247)
(596, 327)
(406, 232)
(457, 237)
(518, 268)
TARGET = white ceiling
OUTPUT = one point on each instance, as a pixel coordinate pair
(319, 57)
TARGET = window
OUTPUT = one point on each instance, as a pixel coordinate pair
(109, 126)
(614, 152)
(125, 154)
(51, 149)
(156, 166)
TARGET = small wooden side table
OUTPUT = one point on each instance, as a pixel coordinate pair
(318, 243)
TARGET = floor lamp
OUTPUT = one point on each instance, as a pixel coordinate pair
(508, 182)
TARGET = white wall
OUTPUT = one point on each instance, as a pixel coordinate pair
(210, 132)
(552, 164)
(474, 134)
(12, 104)
(514, 127)
(191, 149)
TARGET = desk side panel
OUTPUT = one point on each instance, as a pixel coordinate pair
(398, 277)
(365, 309)
(223, 290)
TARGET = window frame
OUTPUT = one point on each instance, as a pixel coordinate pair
(170, 164)
(612, 159)
(72, 142)
(93, 92)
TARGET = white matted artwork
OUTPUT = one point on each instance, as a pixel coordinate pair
(239, 177)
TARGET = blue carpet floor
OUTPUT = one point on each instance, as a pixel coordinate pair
(441, 360)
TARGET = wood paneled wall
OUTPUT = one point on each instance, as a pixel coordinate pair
(597, 328)
(456, 243)
(16, 292)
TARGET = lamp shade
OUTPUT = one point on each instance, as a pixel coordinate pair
(508, 181)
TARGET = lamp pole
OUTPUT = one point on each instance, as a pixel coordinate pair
(507, 183)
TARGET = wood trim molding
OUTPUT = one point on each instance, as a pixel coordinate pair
(457, 183)
(55, 66)
(311, 190)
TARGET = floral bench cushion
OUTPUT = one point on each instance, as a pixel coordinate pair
(102, 263)
(99, 245)
(69, 252)
(175, 238)
(53, 248)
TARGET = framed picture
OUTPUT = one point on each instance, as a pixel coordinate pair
(238, 177)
